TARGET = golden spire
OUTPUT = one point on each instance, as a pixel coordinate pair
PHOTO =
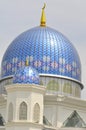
(43, 18)
(27, 62)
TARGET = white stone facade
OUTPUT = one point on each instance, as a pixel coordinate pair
(56, 108)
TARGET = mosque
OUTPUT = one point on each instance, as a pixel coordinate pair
(40, 84)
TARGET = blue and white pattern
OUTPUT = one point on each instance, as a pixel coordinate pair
(46, 49)
(27, 75)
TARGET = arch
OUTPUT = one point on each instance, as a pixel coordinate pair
(53, 85)
(67, 88)
(10, 112)
(23, 111)
(36, 113)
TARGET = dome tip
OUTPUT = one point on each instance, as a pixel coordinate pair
(43, 18)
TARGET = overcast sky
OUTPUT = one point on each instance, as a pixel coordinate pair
(66, 16)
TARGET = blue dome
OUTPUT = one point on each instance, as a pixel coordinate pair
(27, 75)
(47, 50)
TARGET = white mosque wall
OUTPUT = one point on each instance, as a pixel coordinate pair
(50, 112)
(30, 98)
(23, 126)
(30, 95)
(65, 112)
(58, 109)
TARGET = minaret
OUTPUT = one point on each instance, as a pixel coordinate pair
(25, 101)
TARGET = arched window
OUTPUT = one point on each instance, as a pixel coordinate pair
(53, 85)
(23, 111)
(36, 113)
(10, 112)
(67, 88)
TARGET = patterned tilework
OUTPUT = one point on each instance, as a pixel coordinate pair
(27, 75)
(46, 49)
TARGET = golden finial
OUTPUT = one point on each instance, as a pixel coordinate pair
(44, 6)
(27, 62)
(43, 18)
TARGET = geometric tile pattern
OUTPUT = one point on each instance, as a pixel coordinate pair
(47, 50)
(27, 75)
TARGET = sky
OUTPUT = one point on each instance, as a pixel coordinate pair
(66, 16)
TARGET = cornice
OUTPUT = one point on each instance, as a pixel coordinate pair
(29, 124)
(64, 100)
(25, 87)
(24, 123)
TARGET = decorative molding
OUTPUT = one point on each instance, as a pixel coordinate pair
(25, 87)
(24, 123)
(64, 101)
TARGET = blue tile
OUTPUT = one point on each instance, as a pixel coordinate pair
(37, 43)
